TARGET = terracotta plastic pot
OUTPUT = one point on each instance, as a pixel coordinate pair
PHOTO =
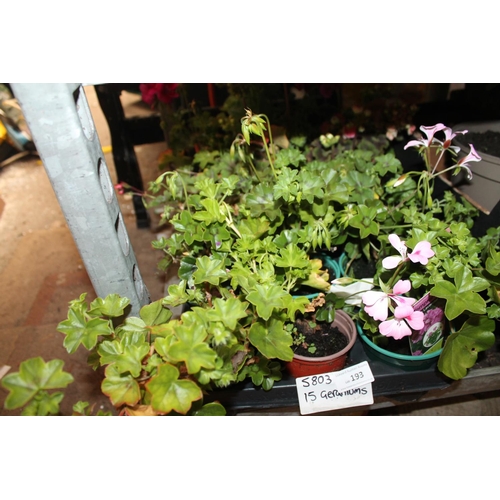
(302, 366)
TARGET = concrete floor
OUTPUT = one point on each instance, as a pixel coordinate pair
(41, 271)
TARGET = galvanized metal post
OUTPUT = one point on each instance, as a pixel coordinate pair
(64, 134)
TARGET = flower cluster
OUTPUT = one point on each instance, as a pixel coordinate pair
(152, 93)
(446, 145)
(378, 303)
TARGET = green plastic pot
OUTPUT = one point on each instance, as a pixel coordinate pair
(402, 360)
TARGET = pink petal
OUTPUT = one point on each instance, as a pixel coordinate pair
(403, 301)
(472, 156)
(399, 245)
(376, 305)
(421, 253)
(403, 311)
(416, 320)
(395, 329)
(414, 144)
(431, 131)
(402, 286)
(391, 262)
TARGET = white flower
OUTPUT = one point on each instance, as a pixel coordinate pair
(352, 293)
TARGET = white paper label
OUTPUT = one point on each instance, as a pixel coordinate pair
(354, 376)
(335, 390)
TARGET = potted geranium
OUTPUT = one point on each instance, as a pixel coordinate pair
(431, 271)
(250, 230)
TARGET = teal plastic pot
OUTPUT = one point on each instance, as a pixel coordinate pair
(402, 360)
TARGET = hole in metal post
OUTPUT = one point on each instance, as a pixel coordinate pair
(105, 180)
(84, 113)
(139, 284)
(121, 232)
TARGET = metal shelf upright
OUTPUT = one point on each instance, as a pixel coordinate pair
(64, 133)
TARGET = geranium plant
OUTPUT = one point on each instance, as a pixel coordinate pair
(250, 228)
(446, 262)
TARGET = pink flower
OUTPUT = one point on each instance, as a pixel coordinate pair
(448, 136)
(377, 303)
(405, 318)
(154, 92)
(429, 132)
(400, 246)
(472, 156)
(421, 253)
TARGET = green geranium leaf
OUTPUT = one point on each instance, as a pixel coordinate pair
(177, 294)
(127, 358)
(292, 256)
(34, 375)
(271, 339)
(44, 404)
(81, 408)
(261, 201)
(80, 331)
(155, 313)
(205, 158)
(228, 311)
(168, 393)
(311, 186)
(462, 295)
(294, 305)
(285, 187)
(112, 306)
(210, 410)
(265, 298)
(493, 263)
(213, 212)
(120, 388)
(192, 348)
(461, 348)
(210, 271)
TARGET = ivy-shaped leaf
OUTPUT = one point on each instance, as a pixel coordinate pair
(43, 404)
(271, 339)
(120, 388)
(168, 393)
(261, 201)
(80, 331)
(265, 298)
(292, 256)
(493, 263)
(311, 186)
(127, 358)
(192, 348)
(461, 348)
(205, 158)
(34, 375)
(112, 306)
(213, 212)
(210, 271)
(286, 187)
(155, 313)
(214, 409)
(228, 311)
(462, 295)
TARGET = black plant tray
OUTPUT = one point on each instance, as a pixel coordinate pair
(395, 383)
(389, 381)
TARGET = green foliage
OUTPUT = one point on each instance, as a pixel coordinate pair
(31, 383)
(462, 347)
